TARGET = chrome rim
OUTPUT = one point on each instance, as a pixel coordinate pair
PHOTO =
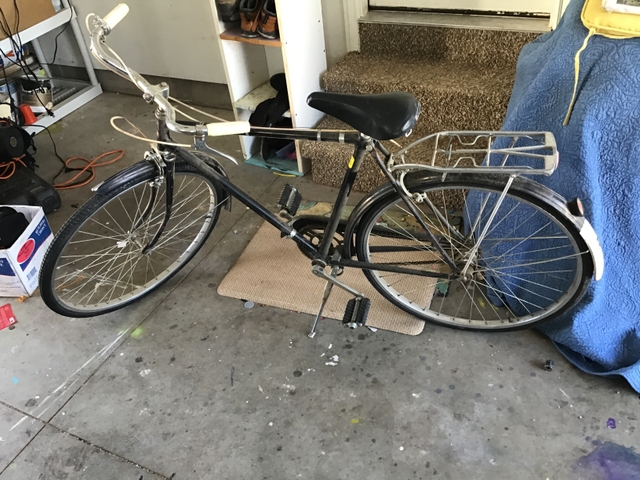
(102, 265)
(526, 268)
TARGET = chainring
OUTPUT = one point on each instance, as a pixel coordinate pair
(312, 228)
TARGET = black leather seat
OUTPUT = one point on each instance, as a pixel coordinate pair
(383, 116)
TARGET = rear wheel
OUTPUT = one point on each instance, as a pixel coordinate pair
(96, 263)
(529, 266)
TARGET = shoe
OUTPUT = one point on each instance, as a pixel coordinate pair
(228, 10)
(268, 24)
(249, 12)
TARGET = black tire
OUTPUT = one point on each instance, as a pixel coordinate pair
(498, 292)
(50, 286)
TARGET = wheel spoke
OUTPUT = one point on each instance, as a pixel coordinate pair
(108, 265)
(529, 252)
(99, 237)
(540, 262)
(521, 271)
(95, 263)
(101, 265)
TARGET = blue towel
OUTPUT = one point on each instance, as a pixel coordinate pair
(599, 163)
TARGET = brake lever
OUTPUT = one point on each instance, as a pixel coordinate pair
(200, 144)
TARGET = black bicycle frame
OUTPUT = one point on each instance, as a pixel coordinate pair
(320, 254)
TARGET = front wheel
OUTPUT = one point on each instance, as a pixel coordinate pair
(520, 260)
(96, 263)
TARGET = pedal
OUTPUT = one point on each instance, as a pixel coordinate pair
(290, 200)
(355, 315)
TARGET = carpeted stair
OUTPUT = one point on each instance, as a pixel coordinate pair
(461, 76)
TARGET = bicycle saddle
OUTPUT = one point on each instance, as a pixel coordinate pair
(383, 116)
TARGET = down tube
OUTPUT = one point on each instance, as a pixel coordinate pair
(286, 230)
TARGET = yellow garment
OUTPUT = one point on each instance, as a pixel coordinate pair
(608, 24)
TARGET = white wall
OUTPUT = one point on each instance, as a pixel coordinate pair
(167, 38)
(334, 30)
(173, 38)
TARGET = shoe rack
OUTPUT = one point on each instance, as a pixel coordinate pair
(249, 63)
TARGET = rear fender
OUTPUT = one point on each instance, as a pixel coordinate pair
(359, 212)
(533, 189)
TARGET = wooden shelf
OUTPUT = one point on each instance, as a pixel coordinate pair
(235, 34)
(301, 56)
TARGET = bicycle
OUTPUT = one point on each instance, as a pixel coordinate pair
(462, 238)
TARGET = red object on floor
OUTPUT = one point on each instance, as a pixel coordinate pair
(29, 117)
(7, 318)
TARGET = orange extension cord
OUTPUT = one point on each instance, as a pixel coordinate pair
(90, 167)
(7, 169)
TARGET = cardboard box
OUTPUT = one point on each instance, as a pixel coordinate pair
(20, 264)
(32, 12)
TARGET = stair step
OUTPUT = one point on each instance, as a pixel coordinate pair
(438, 75)
(329, 161)
(459, 20)
(452, 96)
(486, 48)
(462, 76)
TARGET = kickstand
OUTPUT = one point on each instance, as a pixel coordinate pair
(325, 297)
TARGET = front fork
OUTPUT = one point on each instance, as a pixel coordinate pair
(166, 161)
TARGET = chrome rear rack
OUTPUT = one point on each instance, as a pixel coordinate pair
(506, 153)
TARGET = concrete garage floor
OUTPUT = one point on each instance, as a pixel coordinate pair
(146, 393)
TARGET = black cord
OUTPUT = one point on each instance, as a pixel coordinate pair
(55, 50)
(18, 49)
(64, 168)
(55, 149)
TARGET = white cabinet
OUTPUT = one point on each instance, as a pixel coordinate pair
(299, 53)
(68, 95)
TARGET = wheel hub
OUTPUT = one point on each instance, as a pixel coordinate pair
(131, 238)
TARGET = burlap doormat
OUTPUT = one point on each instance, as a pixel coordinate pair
(272, 271)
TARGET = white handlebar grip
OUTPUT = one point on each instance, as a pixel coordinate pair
(115, 16)
(228, 128)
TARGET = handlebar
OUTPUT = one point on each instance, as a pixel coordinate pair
(115, 16)
(157, 94)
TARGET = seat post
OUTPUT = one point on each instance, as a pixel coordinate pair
(350, 175)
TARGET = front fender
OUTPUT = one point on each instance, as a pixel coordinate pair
(136, 170)
(149, 169)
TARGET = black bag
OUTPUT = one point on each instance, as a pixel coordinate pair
(270, 113)
(12, 225)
